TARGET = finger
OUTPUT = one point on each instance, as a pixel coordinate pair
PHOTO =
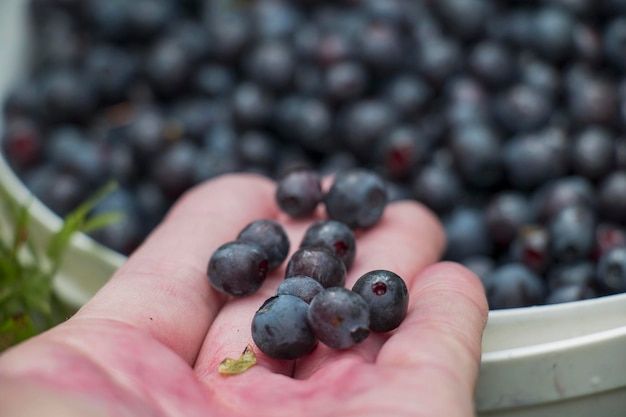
(441, 335)
(163, 288)
(408, 239)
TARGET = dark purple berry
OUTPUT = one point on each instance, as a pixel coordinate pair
(611, 270)
(608, 236)
(387, 297)
(22, 144)
(572, 234)
(477, 155)
(333, 235)
(271, 237)
(302, 287)
(280, 328)
(580, 273)
(357, 198)
(514, 285)
(560, 193)
(319, 263)
(299, 192)
(593, 153)
(531, 248)
(570, 293)
(467, 235)
(505, 214)
(238, 268)
(339, 318)
(612, 197)
(438, 187)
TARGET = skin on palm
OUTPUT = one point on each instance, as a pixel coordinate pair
(150, 341)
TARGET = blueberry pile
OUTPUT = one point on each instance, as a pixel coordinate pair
(505, 118)
(312, 304)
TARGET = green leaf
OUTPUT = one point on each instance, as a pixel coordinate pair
(27, 302)
(75, 222)
(20, 232)
(231, 366)
(102, 220)
(14, 330)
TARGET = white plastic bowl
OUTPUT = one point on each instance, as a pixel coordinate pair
(563, 360)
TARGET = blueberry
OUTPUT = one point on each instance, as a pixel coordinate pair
(541, 76)
(271, 64)
(438, 187)
(531, 248)
(345, 81)
(464, 18)
(76, 154)
(126, 235)
(257, 148)
(299, 192)
(238, 268)
(477, 155)
(252, 105)
(560, 193)
(552, 33)
(333, 235)
(319, 263)
(614, 38)
(593, 153)
(439, 58)
(305, 121)
(581, 273)
(357, 198)
(505, 214)
(59, 191)
(145, 133)
(113, 71)
(492, 63)
(611, 270)
(408, 94)
(339, 318)
(380, 47)
(608, 236)
(530, 161)
(229, 34)
(514, 285)
(401, 152)
(271, 237)
(276, 18)
(168, 68)
(173, 170)
(67, 95)
(612, 197)
(466, 232)
(280, 328)
(593, 101)
(149, 18)
(570, 293)
(387, 297)
(22, 144)
(363, 123)
(523, 109)
(572, 234)
(214, 80)
(302, 287)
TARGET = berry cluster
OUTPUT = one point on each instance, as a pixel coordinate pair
(312, 304)
(497, 115)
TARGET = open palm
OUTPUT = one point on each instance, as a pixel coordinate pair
(150, 341)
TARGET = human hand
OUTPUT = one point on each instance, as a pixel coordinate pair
(150, 341)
